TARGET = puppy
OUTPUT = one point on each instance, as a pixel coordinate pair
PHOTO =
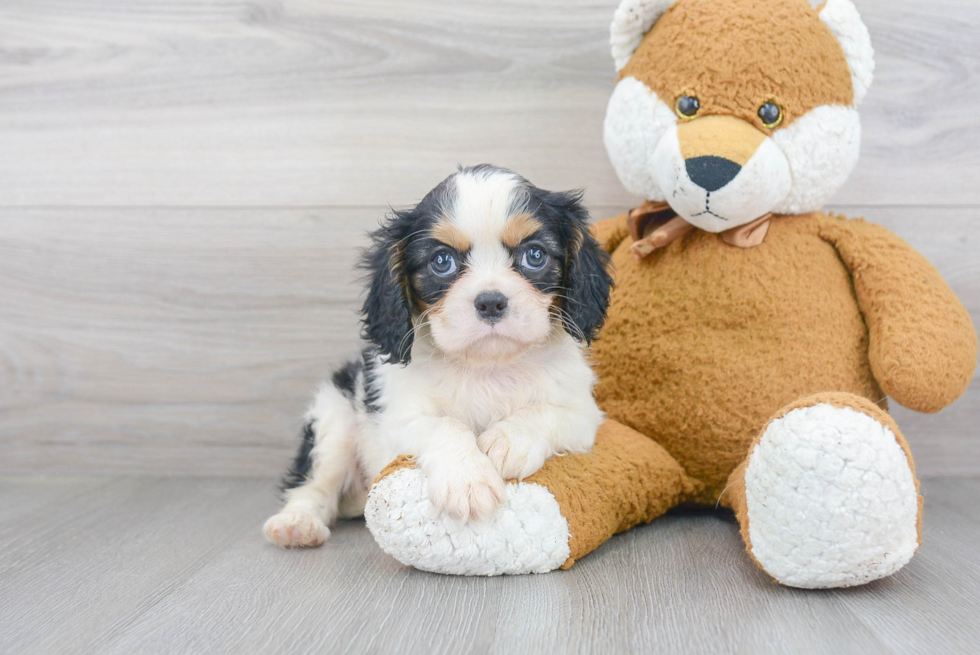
(481, 301)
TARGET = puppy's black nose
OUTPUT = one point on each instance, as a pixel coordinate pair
(711, 173)
(490, 305)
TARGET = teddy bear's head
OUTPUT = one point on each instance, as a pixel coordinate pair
(731, 109)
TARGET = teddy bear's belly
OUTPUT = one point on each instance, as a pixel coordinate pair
(705, 342)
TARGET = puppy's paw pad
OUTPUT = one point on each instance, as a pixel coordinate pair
(514, 455)
(470, 492)
(296, 530)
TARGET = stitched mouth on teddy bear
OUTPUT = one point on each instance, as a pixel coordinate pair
(716, 193)
(707, 209)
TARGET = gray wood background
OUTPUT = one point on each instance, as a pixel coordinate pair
(184, 184)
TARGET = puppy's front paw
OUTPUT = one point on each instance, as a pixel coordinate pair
(296, 530)
(514, 454)
(469, 490)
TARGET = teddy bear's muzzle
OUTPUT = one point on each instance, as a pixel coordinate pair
(720, 172)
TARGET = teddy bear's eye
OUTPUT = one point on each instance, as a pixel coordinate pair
(687, 106)
(771, 115)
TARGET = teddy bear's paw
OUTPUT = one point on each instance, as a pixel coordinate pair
(831, 499)
(514, 454)
(527, 534)
(296, 530)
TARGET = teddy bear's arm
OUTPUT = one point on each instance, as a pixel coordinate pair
(923, 346)
(610, 232)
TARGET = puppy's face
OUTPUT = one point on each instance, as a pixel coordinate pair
(489, 270)
(488, 265)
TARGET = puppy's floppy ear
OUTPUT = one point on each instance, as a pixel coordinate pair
(586, 280)
(387, 312)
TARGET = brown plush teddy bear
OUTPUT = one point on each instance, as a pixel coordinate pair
(751, 339)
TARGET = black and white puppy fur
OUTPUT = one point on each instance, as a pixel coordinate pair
(481, 302)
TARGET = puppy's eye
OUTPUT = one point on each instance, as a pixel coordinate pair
(771, 115)
(443, 264)
(687, 106)
(534, 258)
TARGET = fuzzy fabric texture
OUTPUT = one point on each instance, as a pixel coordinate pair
(636, 120)
(788, 54)
(762, 182)
(758, 376)
(783, 53)
(704, 342)
(699, 360)
(527, 535)
(842, 17)
(562, 512)
(626, 480)
(822, 148)
(922, 342)
(632, 20)
(828, 495)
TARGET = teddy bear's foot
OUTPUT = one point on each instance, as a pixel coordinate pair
(547, 521)
(830, 496)
(527, 534)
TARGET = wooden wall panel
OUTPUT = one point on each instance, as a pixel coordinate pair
(184, 183)
(189, 340)
(358, 102)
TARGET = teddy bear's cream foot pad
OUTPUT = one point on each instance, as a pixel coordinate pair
(528, 534)
(831, 499)
(548, 521)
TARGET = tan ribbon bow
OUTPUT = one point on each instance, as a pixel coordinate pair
(654, 225)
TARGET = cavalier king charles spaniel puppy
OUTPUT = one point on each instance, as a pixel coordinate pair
(482, 300)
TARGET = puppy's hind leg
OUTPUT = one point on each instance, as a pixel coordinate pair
(325, 466)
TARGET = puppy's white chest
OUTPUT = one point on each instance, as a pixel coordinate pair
(482, 398)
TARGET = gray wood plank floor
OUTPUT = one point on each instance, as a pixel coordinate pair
(154, 565)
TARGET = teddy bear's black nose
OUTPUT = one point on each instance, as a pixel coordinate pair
(711, 173)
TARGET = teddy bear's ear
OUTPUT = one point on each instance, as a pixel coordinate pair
(842, 17)
(632, 20)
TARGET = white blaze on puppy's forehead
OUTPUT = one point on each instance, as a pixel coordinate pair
(483, 202)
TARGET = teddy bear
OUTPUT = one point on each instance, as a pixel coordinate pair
(752, 339)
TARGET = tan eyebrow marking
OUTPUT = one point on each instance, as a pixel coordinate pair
(518, 228)
(450, 235)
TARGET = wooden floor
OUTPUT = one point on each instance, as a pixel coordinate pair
(167, 565)
(184, 185)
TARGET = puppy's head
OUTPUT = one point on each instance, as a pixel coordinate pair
(486, 265)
